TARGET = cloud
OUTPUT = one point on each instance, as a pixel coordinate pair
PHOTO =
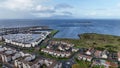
(118, 5)
(52, 11)
(53, 14)
(63, 6)
(108, 12)
(61, 16)
(44, 9)
(42, 15)
(67, 13)
(34, 8)
(17, 4)
(101, 13)
(9, 14)
(92, 13)
(41, 8)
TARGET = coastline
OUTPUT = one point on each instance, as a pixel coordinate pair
(85, 42)
(99, 41)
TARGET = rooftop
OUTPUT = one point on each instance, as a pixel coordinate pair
(25, 38)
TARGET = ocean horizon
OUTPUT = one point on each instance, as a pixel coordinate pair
(68, 28)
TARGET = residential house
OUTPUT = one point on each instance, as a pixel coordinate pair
(85, 57)
(105, 54)
(75, 49)
(90, 51)
(98, 53)
(118, 56)
(106, 64)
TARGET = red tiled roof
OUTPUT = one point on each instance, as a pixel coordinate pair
(97, 53)
(113, 64)
(108, 63)
(89, 57)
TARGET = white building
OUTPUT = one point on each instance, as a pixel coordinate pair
(105, 54)
(118, 56)
(25, 40)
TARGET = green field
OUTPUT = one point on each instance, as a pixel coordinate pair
(84, 64)
(97, 66)
(99, 41)
(1, 42)
(52, 57)
(81, 64)
(53, 32)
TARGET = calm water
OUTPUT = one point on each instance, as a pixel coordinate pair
(70, 28)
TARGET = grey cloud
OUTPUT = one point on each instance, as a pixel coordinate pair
(9, 14)
(44, 11)
(61, 16)
(67, 13)
(63, 6)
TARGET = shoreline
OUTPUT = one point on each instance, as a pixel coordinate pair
(99, 41)
(85, 40)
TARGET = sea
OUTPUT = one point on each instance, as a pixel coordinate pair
(68, 28)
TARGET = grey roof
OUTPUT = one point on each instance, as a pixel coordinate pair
(24, 38)
(1, 49)
(9, 52)
(29, 58)
(0, 46)
(17, 55)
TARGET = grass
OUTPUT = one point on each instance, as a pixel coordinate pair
(53, 32)
(1, 42)
(99, 41)
(0, 65)
(76, 66)
(42, 46)
(84, 64)
(31, 50)
(98, 66)
(52, 57)
(81, 64)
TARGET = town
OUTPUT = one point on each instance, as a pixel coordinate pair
(33, 47)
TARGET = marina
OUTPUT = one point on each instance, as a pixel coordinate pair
(26, 36)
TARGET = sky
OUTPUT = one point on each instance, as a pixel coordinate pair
(80, 9)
